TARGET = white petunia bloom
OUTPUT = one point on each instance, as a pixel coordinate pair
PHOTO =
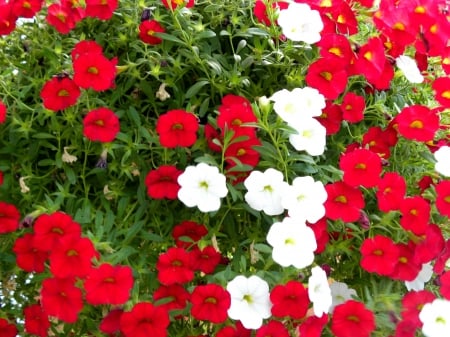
(293, 243)
(264, 191)
(299, 22)
(340, 293)
(298, 104)
(202, 186)
(442, 156)
(424, 276)
(305, 198)
(435, 317)
(319, 291)
(310, 137)
(250, 300)
(409, 68)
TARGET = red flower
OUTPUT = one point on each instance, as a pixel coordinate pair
(86, 47)
(415, 214)
(412, 304)
(336, 47)
(320, 232)
(71, 251)
(9, 218)
(313, 326)
(2, 112)
(172, 4)
(110, 324)
(361, 167)
(261, 13)
(213, 138)
(101, 125)
(108, 284)
(272, 329)
(206, 259)
(59, 93)
(175, 292)
(344, 202)
(238, 331)
(26, 8)
(7, 18)
(94, 70)
(331, 118)
(234, 113)
(441, 260)
(7, 329)
(352, 319)
(445, 285)
(244, 151)
(145, 320)
(49, 229)
(162, 182)
(177, 128)
(174, 266)
(353, 107)
(379, 141)
(371, 59)
(290, 300)
(391, 191)
(101, 9)
(28, 257)
(147, 30)
(379, 255)
(443, 197)
(61, 299)
(429, 245)
(210, 303)
(328, 76)
(188, 233)
(60, 16)
(418, 122)
(407, 268)
(36, 320)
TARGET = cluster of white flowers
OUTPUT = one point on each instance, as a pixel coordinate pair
(298, 109)
(442, 156)
(435, 317)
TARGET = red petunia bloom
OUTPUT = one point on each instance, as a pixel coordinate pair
(272, 329)
(238, 331)
(145, 320)
(213, 138)
(7, 329)
(60, 93)
(379, 141)
(210, 303)
(206, 259)
(7, 18)
(108, 284)
(36, 320)
(313, 326)
(261, 13)
(188, 233)
(405, 329)
(391, 191)
(331, 118)
(371, 59)
(60, 16)
(234, 113)
(175, 266)
(344, 202)
(28, 257)
(361, 167)
(177, 128)
(328, 76)
(26, 8)
(445, 285)
(244, 151)
(72, 250)
(147, 30)
(289, 300)
(85, 47)
(49, 229)
(352, 319)
(172, 4)
(61, 299)
(407, 268)
(320, 232)
(110, 324)
(412, 304)
(336, 47)
(101, 125)
(379, 255)
(101, 9)
(175, 292)
(162, 182)
(429, 245)
(418, 122)
(353, 107)
(441, 260)
(443, 197)
(415, 213)
(9, 218)
(2, 112)
(94, 70)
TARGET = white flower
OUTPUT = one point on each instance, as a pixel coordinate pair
(305, 198)
(202, 186)
(409, 68)
(340, 293)
(162, 94)
(293, 243)
(319, 291)
(67, 157)
(264, 191)
(23, 186)
(424, 276)
(310, 137)
(435, 317)
(299, 23)
(298, 104)
(250, 301)
(442, 156)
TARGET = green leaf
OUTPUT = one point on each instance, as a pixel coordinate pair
(169, 37)
(194, 89)
(207, 34)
